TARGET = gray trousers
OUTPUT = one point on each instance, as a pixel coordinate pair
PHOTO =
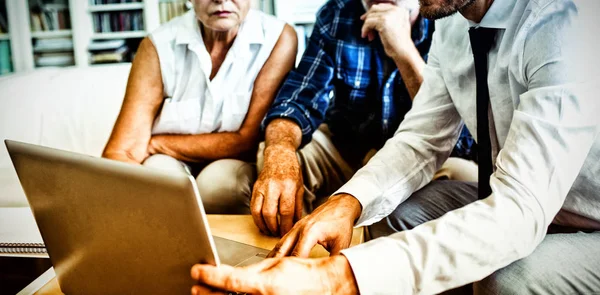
(564, 263)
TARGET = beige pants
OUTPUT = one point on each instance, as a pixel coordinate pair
(325, 171)
(225, 185)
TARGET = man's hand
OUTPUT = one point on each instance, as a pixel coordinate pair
(331, 275)
(279, 191)
(330, 225)
(393, 24)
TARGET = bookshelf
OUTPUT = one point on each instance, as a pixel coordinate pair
(86, 28)
(6, 64)
(117, 28)
(50, 33)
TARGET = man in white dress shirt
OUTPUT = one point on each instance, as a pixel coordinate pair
(535, 232)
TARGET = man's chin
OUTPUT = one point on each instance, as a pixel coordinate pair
(433, 9)
(434, 12)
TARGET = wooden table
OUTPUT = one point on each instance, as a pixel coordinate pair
(239, 228)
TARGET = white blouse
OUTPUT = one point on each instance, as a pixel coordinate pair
(193, 103)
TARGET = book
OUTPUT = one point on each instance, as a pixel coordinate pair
(5, 57)
(114, 56)
(103, 45)
(59, 59)
(49, 16)
(53, 45)
(19, 232)
(125, 21)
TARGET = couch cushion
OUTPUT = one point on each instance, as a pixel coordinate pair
(70, 108)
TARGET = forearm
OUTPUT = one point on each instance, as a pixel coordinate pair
(283, 132)
(410, 64)
(203, 147)
(121, 156)
(127, 148)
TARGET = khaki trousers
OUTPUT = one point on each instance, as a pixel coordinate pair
(324, 170)
(225, 185)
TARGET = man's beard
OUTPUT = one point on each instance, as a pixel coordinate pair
(443, 10)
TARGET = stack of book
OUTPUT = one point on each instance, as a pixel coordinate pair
(170, 9)
(54, 52)
(49, 16)
(123, 21)
(109, 51)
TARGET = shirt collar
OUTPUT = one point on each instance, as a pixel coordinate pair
(497, 16)
(250, 32)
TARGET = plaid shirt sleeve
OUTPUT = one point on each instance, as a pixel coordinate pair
(305, 95)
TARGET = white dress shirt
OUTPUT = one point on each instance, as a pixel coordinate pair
(544, 121)
(193, 103)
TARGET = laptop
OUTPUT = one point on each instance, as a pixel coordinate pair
(116, 228)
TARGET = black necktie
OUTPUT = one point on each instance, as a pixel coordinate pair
(481, 42)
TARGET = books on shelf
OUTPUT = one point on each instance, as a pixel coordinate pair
(108, 51)
(50, 16)
(171, 9)
(53, 45)
(54, 52)
(124, 21)
(58, 59)
(5, 57)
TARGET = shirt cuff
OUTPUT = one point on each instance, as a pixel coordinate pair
(380, 268)
(369, 196)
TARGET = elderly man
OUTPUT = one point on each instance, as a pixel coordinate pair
(358, 76)
(525, 76)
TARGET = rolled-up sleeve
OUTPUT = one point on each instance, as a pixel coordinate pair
(305, 95)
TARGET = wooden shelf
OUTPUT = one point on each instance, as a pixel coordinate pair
(119, 35)
(116, 7)
(4, 37)
(52, 34)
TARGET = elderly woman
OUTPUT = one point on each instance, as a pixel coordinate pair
(198, 89)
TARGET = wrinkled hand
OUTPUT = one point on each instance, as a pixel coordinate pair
(392, 22)
(278, 191)
(330, 225)
(331, 275)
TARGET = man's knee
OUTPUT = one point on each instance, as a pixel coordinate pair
(429, 203)
(226, 186)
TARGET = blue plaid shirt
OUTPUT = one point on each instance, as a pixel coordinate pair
(341, 80)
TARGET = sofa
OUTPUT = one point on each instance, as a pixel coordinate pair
(72, 109)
